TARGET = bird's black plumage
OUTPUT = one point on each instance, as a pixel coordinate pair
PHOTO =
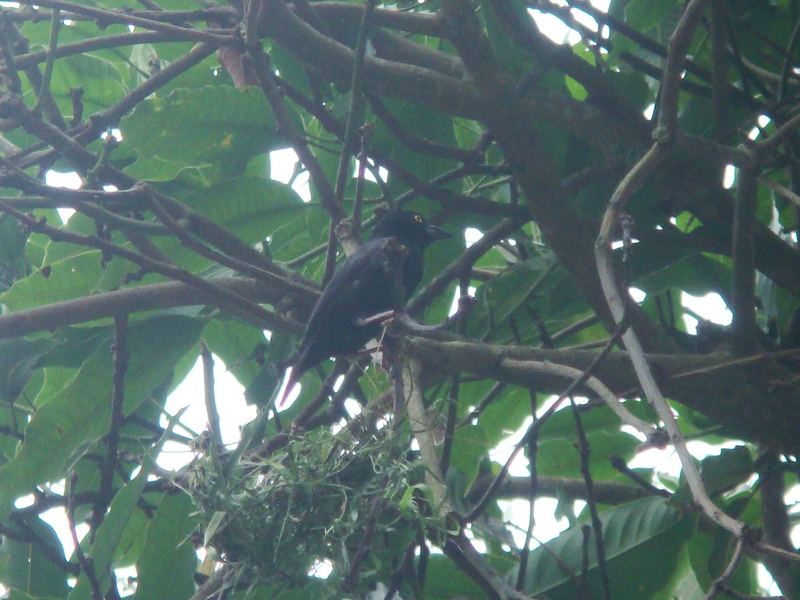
(361, 288)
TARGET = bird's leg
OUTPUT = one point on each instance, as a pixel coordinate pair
(465, 305)
(382, 317)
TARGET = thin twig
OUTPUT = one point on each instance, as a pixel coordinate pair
(468, 258)
(212, 414)
(354, 114)
(114, 40)
(497, 389)
(238, 305)
(743, 296)
(109, 16)
(620, 465)
(664, 135)
(723, 579)
(352, 124)
(87, 566)
(719, 71)
(286, 127)
(189, 240)
(121, 356)
(422, 429)
(450, 421)
(459, 549)
(533, 482)
(44, 91)
(416, 143)
(583, 378)
(597, 525)
(364, 545)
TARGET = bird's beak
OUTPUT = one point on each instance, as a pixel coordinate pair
(437, 233)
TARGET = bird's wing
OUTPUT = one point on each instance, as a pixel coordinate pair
(359, 288)
(356, 290)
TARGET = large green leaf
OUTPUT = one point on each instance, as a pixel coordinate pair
(73, 277)
(512, 57)
(710, 554)
(559, 456)
(239, 346)
(252, 207)
(507, 413)
(110, 533)
(510, 304)
(69, 270)
(420, 121)
(469, 447)
(214, 130)
(648, 14)
(18, 356)
(98, 78)
(168, 562)
(643, 543)
(720, 473)
(445, 581)
(79, 414)
(27, 567)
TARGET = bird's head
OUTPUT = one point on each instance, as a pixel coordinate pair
(408, 226)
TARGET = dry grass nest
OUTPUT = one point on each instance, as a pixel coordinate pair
(324, 497)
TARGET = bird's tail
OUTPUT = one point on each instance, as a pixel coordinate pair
(291, 383)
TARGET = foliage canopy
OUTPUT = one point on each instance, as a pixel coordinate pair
(655, 148)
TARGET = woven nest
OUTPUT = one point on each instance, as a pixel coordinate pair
(324, 497)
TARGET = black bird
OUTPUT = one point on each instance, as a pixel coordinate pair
(361, 288)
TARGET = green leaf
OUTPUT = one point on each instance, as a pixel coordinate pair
(168, 561)
(17, 595)
(576, 90)
(111, 531)
(558, 455)
(73, 270)
(507, 413)
(27, 568)
(423, 122)
(445, 581)
(500, 297)
(13, 260)
(312, 589)
(68, 278)
(101, 83)
(645, 15)
(79, 414)
(215, 130)
(688, 589)
(18, 357)
(132, 539)
(683, 584)
(46, 578)
(253, 207)
(710, 553)
(643, 543)
(469, 446)
(720, 473)
(512, 57)
(238, 345)
(727, 470)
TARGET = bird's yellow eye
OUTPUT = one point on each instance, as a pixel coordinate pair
(418, 219)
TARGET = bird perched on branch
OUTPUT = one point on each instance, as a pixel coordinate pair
(363, 287)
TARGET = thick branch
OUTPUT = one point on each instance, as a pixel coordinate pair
(729, 391)
(140, 299)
